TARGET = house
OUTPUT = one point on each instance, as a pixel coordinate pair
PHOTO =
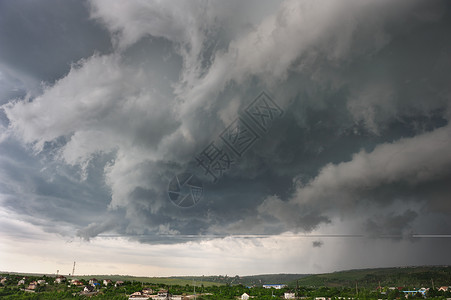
(118, 283)
(32, 286)
(88, 289)
(106, 282)
(60, 279)
(147, 291)
(92, 281)
(138, 296)
(163, 294)
(76, 282)
(423, 291)
(244, 296)
(3, 280)
(274, 286)
(289, 295)
(22, 281)
(41, 282)
(135, 294)
(443, 289)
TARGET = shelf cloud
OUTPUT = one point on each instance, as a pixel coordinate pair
(103, 103)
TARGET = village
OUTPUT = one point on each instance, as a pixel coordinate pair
(14, 286)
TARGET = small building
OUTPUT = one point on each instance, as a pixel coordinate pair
(163, 294)
(88, 289)
(22, 281)
(147, 291)
(3, 280)
(32, 286)
(118, 283)
(42, 281)
(443, 289)
(92, 281)
(60, 279)
(244, 296)
(138, 296)
(76, 282)
(289, 295)
(423, 291)
(107, 282)
(413, 293)
(274, 286)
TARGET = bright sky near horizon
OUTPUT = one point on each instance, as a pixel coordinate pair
(160, 138)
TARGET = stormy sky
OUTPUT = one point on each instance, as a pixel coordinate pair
(224, 137)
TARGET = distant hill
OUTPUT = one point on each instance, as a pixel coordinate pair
(370, 278)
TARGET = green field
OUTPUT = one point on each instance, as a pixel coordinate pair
(154, 280)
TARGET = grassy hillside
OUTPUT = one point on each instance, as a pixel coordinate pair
(370, 278)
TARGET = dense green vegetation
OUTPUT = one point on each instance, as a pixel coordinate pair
(357, 284)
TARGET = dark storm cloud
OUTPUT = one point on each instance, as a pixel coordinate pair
(40, 40)
(365, 131)
(46, 194)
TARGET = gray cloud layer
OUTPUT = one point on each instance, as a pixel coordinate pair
(365, 134)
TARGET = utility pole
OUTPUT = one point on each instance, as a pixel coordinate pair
(194, 284)
(356, 289)
(297, 288)
(432, 284)
(73, 270)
